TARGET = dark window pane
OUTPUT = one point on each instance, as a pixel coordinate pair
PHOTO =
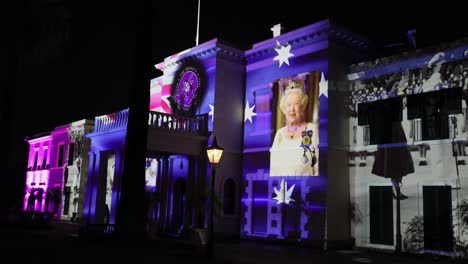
(435, 118)
(363, 114)
(454, 101)
(60, 156)
(414, 104)
(385, 121)
(71, 154)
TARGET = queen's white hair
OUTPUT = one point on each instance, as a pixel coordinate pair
(302, 96)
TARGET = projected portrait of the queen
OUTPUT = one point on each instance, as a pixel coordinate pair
(294, 149)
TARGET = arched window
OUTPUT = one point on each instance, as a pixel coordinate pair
(229, 196)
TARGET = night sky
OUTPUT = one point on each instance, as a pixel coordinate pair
(70, 60)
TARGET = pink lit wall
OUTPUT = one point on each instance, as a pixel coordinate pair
(37, 178)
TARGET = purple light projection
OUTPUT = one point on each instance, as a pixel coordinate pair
(108, 140)
(199, 73)
(36, 190)
(37, 177)
(187, 88)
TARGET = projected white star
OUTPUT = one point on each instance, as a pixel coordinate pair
(283, 195)
(284, 53)
(211, 113)
(249, 112)
(323, 86)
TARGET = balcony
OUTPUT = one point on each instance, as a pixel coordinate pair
(166, 133)
(175, 134)
(197, 125)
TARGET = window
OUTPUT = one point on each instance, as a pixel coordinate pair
(44, 160)
(434, 117)
(433, 109)
(60, 156)
(229, 196)
(259, 207)
(71, 153)
(384, 120)
(35, 160)
(428, 111)
(66, 201)
(262, 101)
(438, 226)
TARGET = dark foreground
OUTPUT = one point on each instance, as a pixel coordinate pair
(60, 243)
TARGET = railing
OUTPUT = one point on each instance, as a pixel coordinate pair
(196, 125)
(97, 230)
(366, 135)
(452, 119)
(416, 130)
(109, 121)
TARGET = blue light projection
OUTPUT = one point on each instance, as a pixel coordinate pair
(263, 214)
(271, 66)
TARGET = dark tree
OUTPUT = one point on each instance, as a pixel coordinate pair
(132, 212)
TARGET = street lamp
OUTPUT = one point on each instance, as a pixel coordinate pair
(214, 153)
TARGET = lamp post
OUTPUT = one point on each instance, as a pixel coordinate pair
(214, 153)
(398, 219)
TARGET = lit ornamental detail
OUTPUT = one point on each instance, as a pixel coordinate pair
(323, 85)
(283, 195)
(284, 53)
(249, 112)
(211, 113)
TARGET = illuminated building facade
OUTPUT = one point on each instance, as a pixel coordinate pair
(57, 171)
(298, 145)
(408, 120)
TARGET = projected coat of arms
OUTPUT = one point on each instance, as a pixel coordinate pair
(186, 89)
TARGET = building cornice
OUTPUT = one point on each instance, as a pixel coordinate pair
(317, 32)
(39, 138)
(209, 48)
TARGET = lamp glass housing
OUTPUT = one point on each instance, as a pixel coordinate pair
(214, 152)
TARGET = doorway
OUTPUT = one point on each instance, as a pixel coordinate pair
(437, 206)
(381, 215)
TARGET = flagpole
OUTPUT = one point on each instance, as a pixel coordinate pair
(198, 24)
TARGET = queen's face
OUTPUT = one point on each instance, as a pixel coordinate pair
(293, 109)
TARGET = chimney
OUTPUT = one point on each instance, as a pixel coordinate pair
(412, 38)
(276, 30)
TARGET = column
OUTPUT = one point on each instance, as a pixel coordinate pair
(201, 188)
(189, 210)
(164, 194)
(90, 199)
